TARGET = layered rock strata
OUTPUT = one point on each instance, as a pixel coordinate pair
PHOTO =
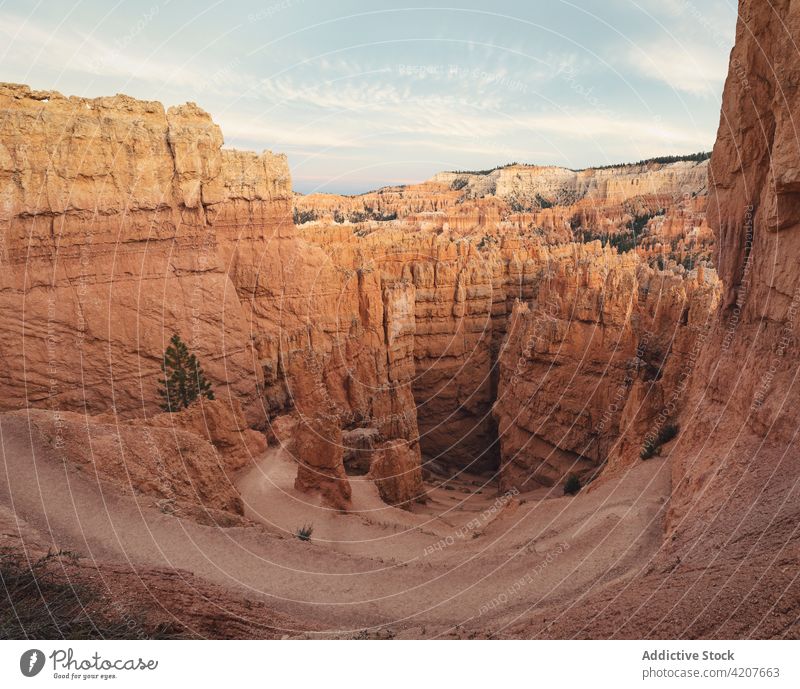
(124, 222)
(590, 361)
(741, 440)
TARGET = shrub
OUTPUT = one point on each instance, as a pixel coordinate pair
(623, 241)
(639, 222)
(183, 377)
(653, 445)
(357, 217)
(667, 433)
(304, 532)
(459, 183)
(302, 217)
(518, 205)
(648, 450)
(39, 601)
(572, 485)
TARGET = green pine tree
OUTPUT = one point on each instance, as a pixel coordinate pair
(183, 379)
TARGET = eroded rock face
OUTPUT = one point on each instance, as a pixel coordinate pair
(397, 474)
(446, 302)
(590, 362)
(529, 184)
(593, 313)
(107, 215)
(746, 385)
(221, 423)
(728, 563)
(548, 201)
(469, 245)
(125, 223)
(176, 467)
(316, 439)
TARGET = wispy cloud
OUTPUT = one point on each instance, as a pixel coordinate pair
(412, 94)
(692, 68)
(260, 131)
(32, 46)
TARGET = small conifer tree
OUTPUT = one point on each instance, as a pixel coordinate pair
(183, 379)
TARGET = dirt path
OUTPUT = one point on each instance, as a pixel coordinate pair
(463, 559)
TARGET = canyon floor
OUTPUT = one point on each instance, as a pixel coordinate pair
(467, 561)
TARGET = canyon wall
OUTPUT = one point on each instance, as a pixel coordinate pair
(456, 295)
(607, 328)
(592, 359)
(548, 202)
(561, 186)
(740, 443)
(728, 565)
(123, 223)
(108, 248)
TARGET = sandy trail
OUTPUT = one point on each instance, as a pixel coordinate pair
(454, 561)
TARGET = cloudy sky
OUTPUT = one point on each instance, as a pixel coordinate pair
(361, 94)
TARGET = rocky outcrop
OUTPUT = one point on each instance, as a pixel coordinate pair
(397, 474)
(446, 300)
(124, 223)
(108, 211)
(591, 361)
(338, 338)
(747, 376)
(549, 200)
(534, 185)
(316, 439)
(728, 563)
(463, 291)
(178, 468)
(221, 423)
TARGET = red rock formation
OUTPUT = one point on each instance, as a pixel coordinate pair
(177, 467)
(465, 202)
(730, 557)
(124, 223)
(397, 474)
(106, 211)
(590, 360)
(740, 443)
(221, 423)
(316, 438)
(464, 290)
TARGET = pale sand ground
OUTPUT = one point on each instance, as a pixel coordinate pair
(454, 561)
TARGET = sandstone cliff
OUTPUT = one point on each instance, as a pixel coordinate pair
(461, 281)
(108, 217)
(559, 186)
(591, 360)
(740, 443)
(123, 223)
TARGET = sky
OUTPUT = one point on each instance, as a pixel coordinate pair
(365, 94)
